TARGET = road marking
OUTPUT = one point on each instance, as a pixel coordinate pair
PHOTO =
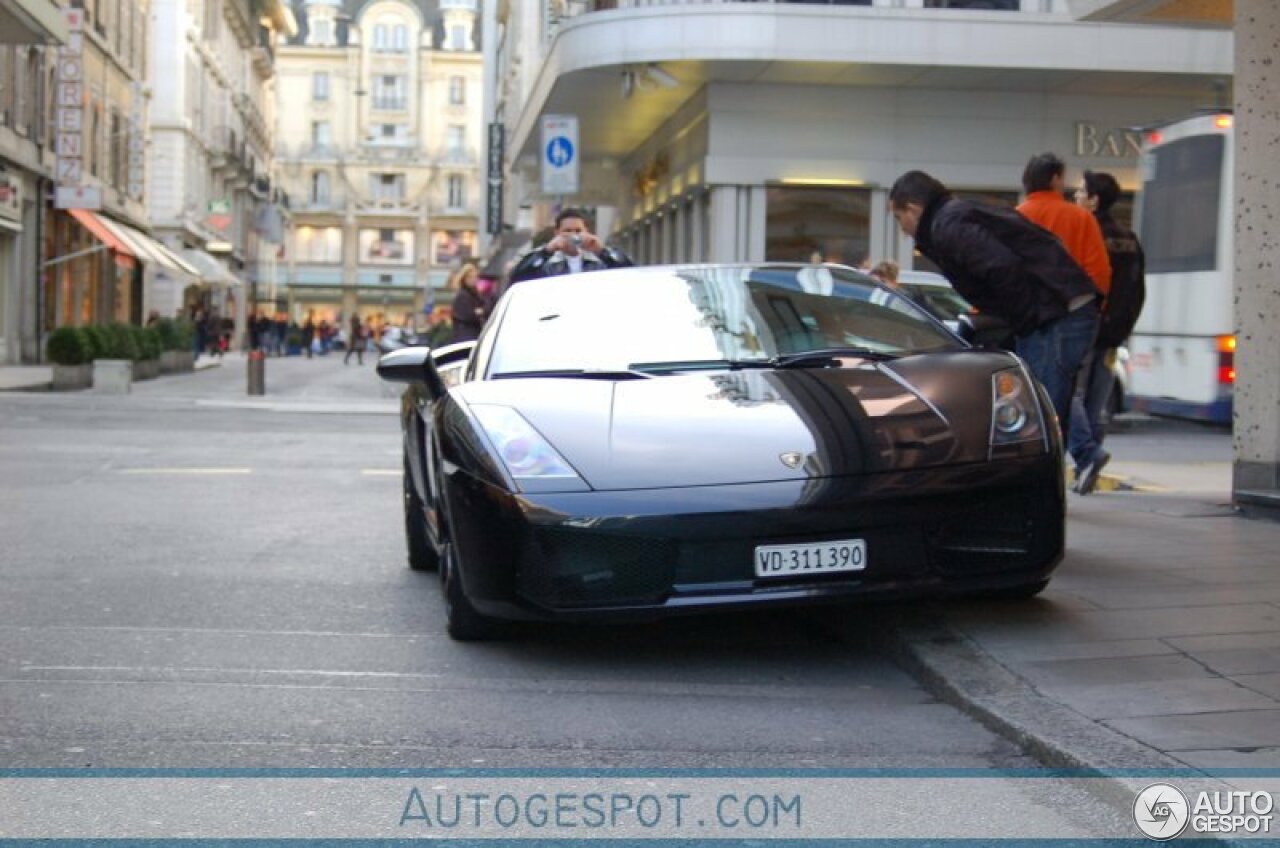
(143, 669)
(186, 470)
(380, 472)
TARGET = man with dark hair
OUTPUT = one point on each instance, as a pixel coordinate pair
(572, 250)
(1044, 179)
(1005, 265)
(1097, 193)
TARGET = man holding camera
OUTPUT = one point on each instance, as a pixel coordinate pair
(572, 250)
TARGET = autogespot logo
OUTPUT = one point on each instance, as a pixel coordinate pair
(1161, 811)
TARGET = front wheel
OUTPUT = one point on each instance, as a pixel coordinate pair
(422, 557)
(463, 622)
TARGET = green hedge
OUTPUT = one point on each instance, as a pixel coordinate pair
(78, 345)
(69, 346)
(175, 333)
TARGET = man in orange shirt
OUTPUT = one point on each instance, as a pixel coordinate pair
(1044, 180)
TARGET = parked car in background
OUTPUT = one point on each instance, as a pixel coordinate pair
(935, 293)
(666, 440)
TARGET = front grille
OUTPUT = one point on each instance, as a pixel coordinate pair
(993, 534)
(573, 568)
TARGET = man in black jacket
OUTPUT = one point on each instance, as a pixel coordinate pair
(1098, 193)
(1011, 268)
(573, 249)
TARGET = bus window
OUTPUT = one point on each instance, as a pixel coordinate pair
(1180, 201)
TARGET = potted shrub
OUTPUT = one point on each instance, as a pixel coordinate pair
(147, 365)
(69, 350)
(113, 372)
(176, 337)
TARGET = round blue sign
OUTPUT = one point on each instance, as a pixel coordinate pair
(559, 151)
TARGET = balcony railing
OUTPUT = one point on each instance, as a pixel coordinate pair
(390, 103)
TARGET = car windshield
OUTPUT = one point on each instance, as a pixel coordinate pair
(704, 316)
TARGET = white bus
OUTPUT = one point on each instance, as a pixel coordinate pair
(1182, 351)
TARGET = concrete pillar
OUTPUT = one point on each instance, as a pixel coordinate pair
(723, 238)
(1257, 188)
(756, 232)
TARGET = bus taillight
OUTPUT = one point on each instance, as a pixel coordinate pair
(1226, 360)
(1153, 138)
(1223, 122)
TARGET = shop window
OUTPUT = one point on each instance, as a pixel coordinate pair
(804, 224)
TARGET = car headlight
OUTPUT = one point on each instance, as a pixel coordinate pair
(1015, 413)
(527, 456)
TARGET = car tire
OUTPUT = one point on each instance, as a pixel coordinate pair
(422, 557)
(463, 622)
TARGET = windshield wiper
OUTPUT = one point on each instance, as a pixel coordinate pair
(827, 355)
(578, 373)
(701, 365)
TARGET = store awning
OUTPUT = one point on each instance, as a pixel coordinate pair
(32, 22)
(124, 251)
(211, 270)
(148, 249)
(131, 245)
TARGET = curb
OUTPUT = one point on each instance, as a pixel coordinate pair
(955, 669)
(1115, 483)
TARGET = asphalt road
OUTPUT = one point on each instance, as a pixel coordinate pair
(195, 578)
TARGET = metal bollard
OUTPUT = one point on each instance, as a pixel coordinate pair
(257, 372)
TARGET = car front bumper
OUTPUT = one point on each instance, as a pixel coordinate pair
(655, 552)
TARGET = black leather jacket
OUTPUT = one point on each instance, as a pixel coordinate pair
(1128, 283)
(538, 263)
(1001, 262)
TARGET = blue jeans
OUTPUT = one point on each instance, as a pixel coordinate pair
(1085, 436)
(1054, 352)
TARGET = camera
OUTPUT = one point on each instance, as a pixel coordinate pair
(575, 240)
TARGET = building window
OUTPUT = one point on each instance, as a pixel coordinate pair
(321, 32)
(400, 39)
(449, 247)
(387, 188)
(457, 37)
(390, 92)
(457, 90)
(320, 134)
(320, 85)
(320, 187)
(455, 141)
(380, 37)
(318, 244)
(818, 224)
(386, 246)
(457, 191)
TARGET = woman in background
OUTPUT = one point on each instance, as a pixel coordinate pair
(471, 306)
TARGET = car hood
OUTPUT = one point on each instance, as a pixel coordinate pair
(727, 427)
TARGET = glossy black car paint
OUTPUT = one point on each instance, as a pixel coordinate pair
(684, 477)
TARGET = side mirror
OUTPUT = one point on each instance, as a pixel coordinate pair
(982, 330)
(451, 353)
(412, 365)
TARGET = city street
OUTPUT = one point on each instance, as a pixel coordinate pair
(196, 578)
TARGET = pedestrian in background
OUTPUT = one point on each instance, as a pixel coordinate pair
(1011, 268)
(309, 341)
(1097, 193)
(355, 341)
(886, 272)
(470, 307)
(1044, 180)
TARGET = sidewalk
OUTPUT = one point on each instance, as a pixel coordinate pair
(1157, 645)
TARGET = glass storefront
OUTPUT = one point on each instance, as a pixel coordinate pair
(817, 224)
